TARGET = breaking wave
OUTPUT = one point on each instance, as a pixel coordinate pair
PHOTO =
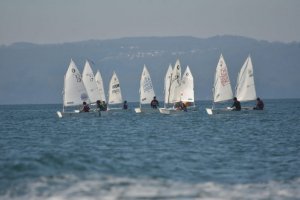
(71, 187)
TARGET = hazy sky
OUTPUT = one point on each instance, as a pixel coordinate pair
(57, 21)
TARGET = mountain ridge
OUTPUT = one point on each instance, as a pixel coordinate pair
(30, 70)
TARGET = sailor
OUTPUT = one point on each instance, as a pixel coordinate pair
(98, 102)
(183, 106)
(154, 103)
(125, 106)
(101, 105)
(259, 104)
(236, 104)
(85, 108)
(104, 106)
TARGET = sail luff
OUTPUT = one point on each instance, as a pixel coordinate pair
(167, 85)
(63, 105)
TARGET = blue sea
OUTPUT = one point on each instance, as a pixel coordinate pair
(124, 156)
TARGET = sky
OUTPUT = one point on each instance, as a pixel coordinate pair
(57, 21)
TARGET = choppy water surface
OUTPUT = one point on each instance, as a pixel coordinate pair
(254, 155)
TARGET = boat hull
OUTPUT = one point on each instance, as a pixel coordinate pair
(76, 113)
(146, 110)
(211, 111)
(168, 111)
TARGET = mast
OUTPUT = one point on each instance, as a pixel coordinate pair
(169, 89)
(64, 94)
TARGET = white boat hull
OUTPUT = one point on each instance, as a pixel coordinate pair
(146, 110)
(165, 111)
(115, 109)
(94, 113)
(137, 110)
(168, 111)
(211, 111)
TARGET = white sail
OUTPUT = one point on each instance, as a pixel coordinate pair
(100, 86)
(175, 83)
(187, 86)
(222, 88)
(74, 90)
(90, 83)
(167, 84)
(245, 88)
(115, 95)
(146, 87)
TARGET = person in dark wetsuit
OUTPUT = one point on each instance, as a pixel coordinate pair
(85, 108)
(236, 104)
(98, 102)
(183, 106)
(125, 106)
(154, 103)
(259, 104)
(101, 105)
(104, 105)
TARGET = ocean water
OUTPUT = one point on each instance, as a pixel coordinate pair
(124, 156)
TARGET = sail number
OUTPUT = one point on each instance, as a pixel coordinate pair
(115, 91)
(147, 84)
(115, 86)
(224, 77)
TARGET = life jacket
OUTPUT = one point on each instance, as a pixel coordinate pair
(86, 108)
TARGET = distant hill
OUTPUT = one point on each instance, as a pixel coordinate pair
(31, 73)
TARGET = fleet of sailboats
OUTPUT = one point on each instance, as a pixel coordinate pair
(178, 89)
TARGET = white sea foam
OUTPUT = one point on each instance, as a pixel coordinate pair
(119, 188)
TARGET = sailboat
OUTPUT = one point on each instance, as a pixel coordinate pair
(114, 92)
(245, 87)
(187, 88)
(173, 94)
(89, 82)
(100, 86)
(74, 92)
(222, 91)
(146, 91)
